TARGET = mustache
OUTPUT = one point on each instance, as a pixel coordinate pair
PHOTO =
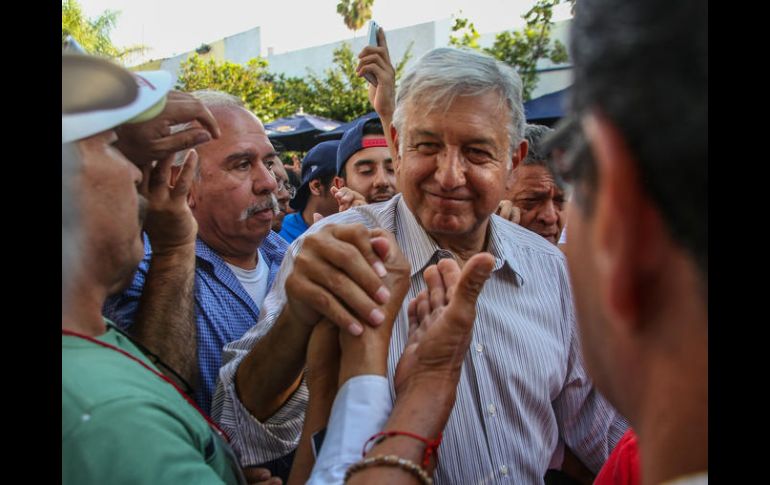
(270, 202)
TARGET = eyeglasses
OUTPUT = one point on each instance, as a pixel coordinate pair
(292, 190)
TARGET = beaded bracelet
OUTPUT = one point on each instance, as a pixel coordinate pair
(390, 460)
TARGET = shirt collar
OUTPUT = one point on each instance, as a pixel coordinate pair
(423, 250)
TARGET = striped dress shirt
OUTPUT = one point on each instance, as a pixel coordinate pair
(522, 386)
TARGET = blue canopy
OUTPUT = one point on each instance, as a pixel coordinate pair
(548, 106)
(298, 132)
(337, 133)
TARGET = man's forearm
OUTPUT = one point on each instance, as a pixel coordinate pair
(272, 370)
(422, 410)
(165, 321)
(316, 419)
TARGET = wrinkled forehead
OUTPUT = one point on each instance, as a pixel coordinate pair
(482, 116)
(239, 129)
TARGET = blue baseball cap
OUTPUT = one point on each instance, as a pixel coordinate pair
(319, 161)
(353, 141)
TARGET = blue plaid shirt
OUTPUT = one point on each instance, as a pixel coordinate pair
(223, 309)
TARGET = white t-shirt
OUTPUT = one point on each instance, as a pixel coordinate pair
(254, 281)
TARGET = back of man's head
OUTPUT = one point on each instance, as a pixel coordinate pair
(213, 99)
(445, 73)
(644, 65)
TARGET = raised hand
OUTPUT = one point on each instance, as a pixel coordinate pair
(339, 275)
(368, 353)
(152, 140)
(376, 60)
(508, 211)
(441, 324)
(347, 198)
(169, 222)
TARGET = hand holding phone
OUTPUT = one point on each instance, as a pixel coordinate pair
(372, 36)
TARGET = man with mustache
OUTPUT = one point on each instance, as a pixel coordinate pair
(237, 255)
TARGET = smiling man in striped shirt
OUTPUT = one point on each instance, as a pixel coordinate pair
(458, 132)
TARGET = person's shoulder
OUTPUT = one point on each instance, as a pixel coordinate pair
(521, 239)
(275, 242)
(370, 215)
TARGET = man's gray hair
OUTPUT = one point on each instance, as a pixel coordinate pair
(210, 99)
(445, 73)
(539, 152)
(218, 99)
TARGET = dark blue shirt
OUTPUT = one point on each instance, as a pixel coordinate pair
(223, 309)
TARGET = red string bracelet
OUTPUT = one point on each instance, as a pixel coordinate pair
(432, 445)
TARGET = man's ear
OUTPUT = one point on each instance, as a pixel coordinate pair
(396, 142)
(627, 228)
(339, 182)
(175, 171)
(191, 194)
(315, 187)
(519, 154)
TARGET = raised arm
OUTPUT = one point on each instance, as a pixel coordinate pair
(440, 325)
(336, 275)
(376, 60)
(362, 377)
(164, 321)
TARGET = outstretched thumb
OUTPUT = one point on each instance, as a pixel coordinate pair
(472, 278)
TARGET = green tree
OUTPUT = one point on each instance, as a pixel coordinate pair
(93, 34)
(522, 48)
(250, 82)
(355, 13)
(338, 93)
(341, 94)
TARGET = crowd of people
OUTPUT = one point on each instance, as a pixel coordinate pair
(399, 307)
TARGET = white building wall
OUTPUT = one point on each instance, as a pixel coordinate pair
(244, 46)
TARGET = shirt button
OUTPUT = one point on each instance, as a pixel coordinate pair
(479, 348)
(504, 470)
(491, 409)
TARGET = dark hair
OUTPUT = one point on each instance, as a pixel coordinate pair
(326, 180)
(644, 65)
(293, 177)
(539, 152)
(373, 127)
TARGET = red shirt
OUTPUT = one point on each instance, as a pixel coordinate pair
(622, 466)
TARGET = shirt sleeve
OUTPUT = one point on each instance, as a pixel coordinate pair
(360, 410)
(257, 442)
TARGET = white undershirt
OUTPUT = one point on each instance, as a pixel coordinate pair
(254, 281)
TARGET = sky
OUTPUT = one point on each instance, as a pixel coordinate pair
(170, 27)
